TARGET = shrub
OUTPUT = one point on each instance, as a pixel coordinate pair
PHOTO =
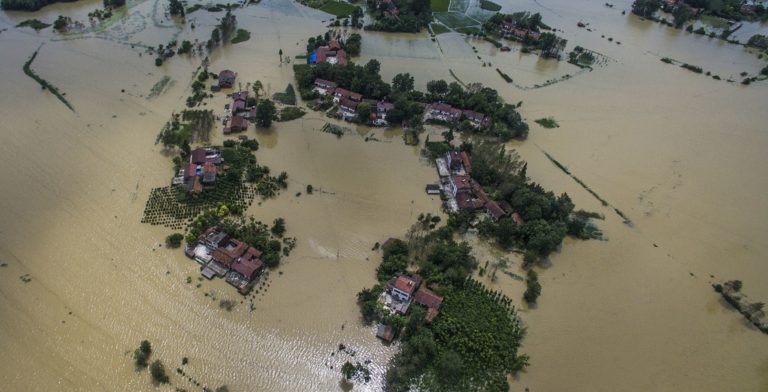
(157, 370)
(174, 240)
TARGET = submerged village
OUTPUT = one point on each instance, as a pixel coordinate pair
(433, 300)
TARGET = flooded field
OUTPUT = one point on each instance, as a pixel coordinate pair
(679, 153)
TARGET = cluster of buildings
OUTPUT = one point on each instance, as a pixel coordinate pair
(239, 113)
(444, 112)
(350, 101)
(331, 54)
(400, 292)
(464, 193)
(201, 171)
(222, 256)
(512, 30)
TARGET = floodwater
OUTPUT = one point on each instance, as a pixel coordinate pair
(679, 153)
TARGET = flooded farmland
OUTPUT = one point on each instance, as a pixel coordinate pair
(681, 154)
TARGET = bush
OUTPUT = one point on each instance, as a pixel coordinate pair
(157, 370)
(141, 354)
(174, 240)
(533, 291)
(159, 61)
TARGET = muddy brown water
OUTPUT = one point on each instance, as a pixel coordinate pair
(680, 154)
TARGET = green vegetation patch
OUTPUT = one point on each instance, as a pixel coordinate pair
(439, 5)
(714, 21)
(291, 113)
(504, 76)
(241, 36)
(489, 5)
(455, 20)
(548, 122)
(159, 87)
(44, 83)
(338, 8)
(438, 28)
(33, 23)
(288, 97)
(194, 8)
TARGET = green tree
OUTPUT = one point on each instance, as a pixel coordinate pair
(402, 82)
(174, 240)
(682, 14)
(364, 112)
(437, 87)
(278, 227)
(533, 291)
(157, 370)
(142, 353)
(265, 111)
(646, 8)
(280, 54)
(348, 370)
(176, 8)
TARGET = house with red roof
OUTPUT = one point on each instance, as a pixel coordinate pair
(226, 78)
(427, 298)
(348, 108)
(341, 93)
(442, 112)
(324, 87)
(494, 211)
(404, 286)
(238, 123)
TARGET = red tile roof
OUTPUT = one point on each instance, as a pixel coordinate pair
(428, 298)
(466, 161)
(461, 182)
(517, 218)
(190, 170)
(197, 156)
(494, 209)
(405, 284)
(238, 122)
(344, 93)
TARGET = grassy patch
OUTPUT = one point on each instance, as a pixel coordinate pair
(159, 87)
(489, 5)
(438, 28)
(291, 113)
(439, 5)
(44, 83)
(337, 8)
(548, 122)
(288, 97)
(241, 36)
(33, 23)
(714, 21)
(468, 30)
(455, 20)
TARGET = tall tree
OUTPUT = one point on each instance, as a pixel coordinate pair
(265, 111)
(403, 82)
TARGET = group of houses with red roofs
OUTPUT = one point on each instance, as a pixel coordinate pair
(512, 30)
(331, 54)
(444, 112)
(400, 292)
(219, 255)
(461, 192)
(238, 113)
(201, 171)
(349, 101)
